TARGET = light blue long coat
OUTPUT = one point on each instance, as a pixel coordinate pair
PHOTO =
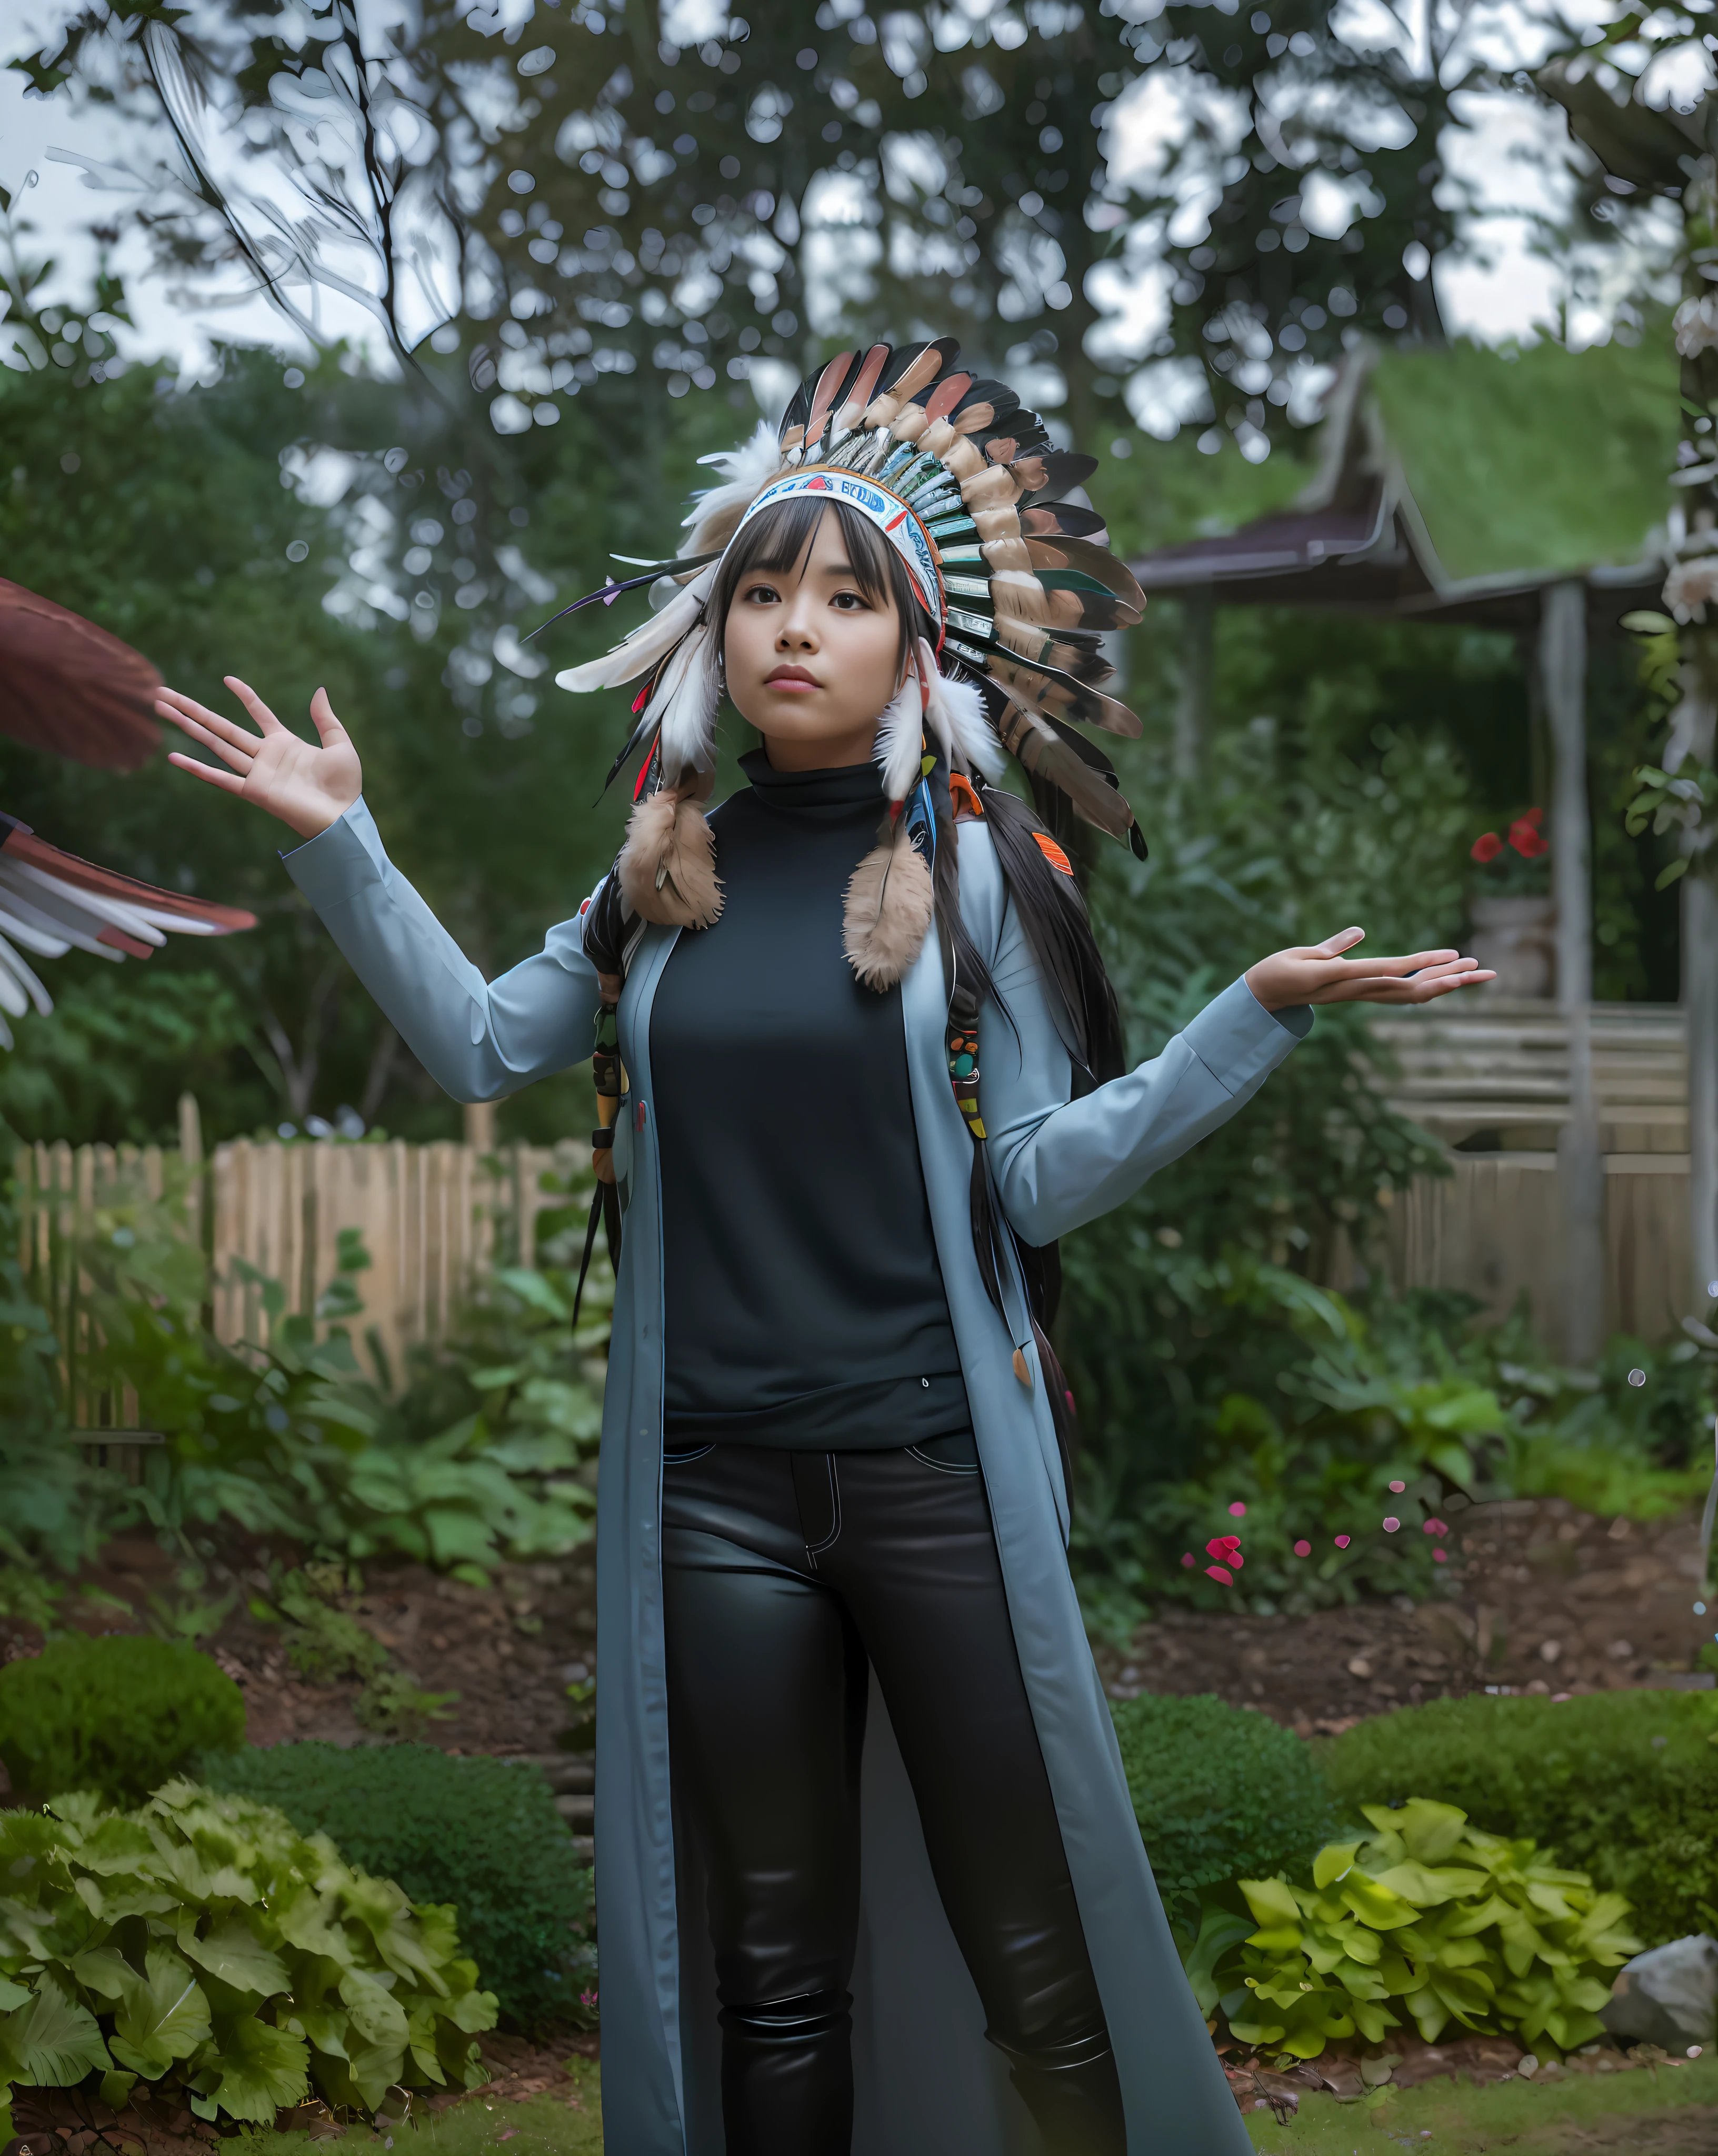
(927, 2083)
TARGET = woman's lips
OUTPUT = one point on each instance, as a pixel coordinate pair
(793, 679)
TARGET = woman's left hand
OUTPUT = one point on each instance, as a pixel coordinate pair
(1320, 973)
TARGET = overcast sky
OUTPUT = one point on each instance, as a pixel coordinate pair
(1512, 153)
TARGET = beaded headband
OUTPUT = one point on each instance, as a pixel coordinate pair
(898, 523)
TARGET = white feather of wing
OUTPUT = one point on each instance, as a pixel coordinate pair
(116, 912)
(687, 701)
(18, 985)
(649, 643)
(45, 923)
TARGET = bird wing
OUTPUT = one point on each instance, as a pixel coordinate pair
(71, 688)
(51, 902)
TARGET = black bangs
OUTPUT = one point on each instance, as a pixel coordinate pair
(780, 538)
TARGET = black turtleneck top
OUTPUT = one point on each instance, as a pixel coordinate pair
(805, 1306)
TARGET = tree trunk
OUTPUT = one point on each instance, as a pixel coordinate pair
(1198, 668)
(1563, 665)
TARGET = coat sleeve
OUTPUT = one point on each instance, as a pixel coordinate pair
(1060, 1162)
(478, 1040)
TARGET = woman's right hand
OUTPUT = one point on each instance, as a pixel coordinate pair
(307, 789)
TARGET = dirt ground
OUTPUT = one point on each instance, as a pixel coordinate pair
(1539, 1597)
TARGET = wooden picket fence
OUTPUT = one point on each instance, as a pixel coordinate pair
(433, 1219)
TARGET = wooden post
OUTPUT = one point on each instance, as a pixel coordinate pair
(1562, 673)
(480, 1125)
(1198, 668)
(1699, 1001)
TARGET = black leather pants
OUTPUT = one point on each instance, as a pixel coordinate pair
(786, 1574)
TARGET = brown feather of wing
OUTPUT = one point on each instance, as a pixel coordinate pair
(71, 688)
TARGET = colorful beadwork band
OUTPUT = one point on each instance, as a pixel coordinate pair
(890, 515)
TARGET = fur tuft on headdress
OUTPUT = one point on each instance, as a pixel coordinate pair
(956, 715)
(900, 738)
(887, 913)
(668, 864)
(715, 516)
(648, 645)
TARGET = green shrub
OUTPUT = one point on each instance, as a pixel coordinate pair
(478, 1833)
(1219, 1792)
(1425, 1913)
(1623, 1784)
(205, 1946)
(117, 1715)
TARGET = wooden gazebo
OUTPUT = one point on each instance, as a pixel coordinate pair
(1524, 491)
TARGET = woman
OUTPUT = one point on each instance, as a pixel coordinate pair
(858, 1803)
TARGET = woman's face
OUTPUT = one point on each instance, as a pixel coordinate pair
(811, 661)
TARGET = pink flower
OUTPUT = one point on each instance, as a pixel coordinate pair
(1342, 1541)
(1391, 1523)
(1435, 1528)
(1215, 1572)
(1486, 847)
(1303, 1549)
(1188, 1561)
(1226, 1549)
(1440, 1557)
(1237, 1511)
(1397, 1488)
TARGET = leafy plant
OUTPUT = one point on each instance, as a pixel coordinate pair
(204, 1945)
(1432, 1915)
(1217, 1792)
(116, 1715)
(1624, 1784)
(480, 1833)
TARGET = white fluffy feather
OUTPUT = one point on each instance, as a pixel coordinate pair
(956, 717)
(744, 470)
(648, 645)
(900, 739)
(687, 699)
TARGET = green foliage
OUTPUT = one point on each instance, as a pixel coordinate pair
(480, 1457)
(478, 1833)
(204, 1945)
(1314, 1407)
(117, 1715)
(1431, 1915)
(1623, 1784)
(1219, 1792)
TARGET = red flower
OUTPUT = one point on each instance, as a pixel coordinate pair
(1486, 847)
(1525, 839)
(1535, 817)
(1215, 1572)
(1226, 1549)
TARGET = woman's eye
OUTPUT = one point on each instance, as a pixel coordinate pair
(762, 594)
(848, 602)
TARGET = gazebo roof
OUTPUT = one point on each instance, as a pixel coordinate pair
(1454, 484)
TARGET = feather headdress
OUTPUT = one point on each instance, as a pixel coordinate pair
(965, 483)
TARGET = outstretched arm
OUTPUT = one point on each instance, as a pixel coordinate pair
(477, 1038)
(1060, 1162)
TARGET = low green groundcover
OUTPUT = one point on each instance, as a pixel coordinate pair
(1220, 1795)
(1624, 1785)
(1424, 1919)
(118, 1715)
(204, 1945)
(478, 1833)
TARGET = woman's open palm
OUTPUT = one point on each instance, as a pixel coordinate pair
(308, 788)
(1323, 973)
